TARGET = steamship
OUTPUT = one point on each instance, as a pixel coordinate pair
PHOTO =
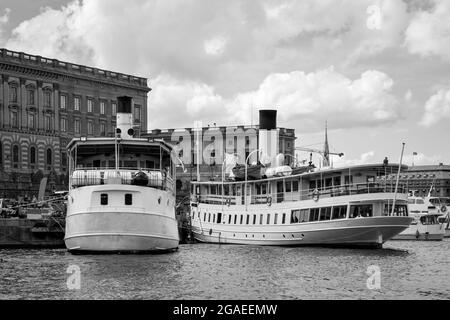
(121, 192)
(351, 206)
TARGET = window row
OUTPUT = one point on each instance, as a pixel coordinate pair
(17, 155)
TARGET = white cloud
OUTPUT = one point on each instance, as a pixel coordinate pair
(3, 21)
(215, 46)
(429, 31)
(304, 101)
(437, 108)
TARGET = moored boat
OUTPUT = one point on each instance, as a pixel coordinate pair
(121, 192)
(350, 206)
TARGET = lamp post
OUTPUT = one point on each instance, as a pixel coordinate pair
(245, 182)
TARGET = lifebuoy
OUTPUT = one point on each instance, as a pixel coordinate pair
(269, 201)
(315, 195)
(443, 208)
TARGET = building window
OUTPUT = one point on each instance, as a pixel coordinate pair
(13, 93)
(1, 155)
(32, 156)
(104, 199)
(90, 105)
(128, 199)
(63, 101)
(102, 107)
(268, 219)
(16, 156)
(48, 122)
(90, 127)
(77, 127)
(47, 98)
(113, 109)
(76, 104)
(30, 97)
(63, 125)
(102, 129)
(137, 113)
(14, 119)
(49, 159)
(31, 121)
(64, 161)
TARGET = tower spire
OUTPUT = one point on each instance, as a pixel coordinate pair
(326, 151)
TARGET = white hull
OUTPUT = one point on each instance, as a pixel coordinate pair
(419, 231)
(365, 232)
(147, 225)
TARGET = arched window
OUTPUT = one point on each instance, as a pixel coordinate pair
(16, 156)
(33, 156)
(1, 155)
(47, 98)
(13, 93)
(49, 157)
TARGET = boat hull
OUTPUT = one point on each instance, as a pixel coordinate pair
(147, 226)
(363, 232)
(421, 232)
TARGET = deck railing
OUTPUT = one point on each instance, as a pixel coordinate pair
(156, 178)
(307, 194)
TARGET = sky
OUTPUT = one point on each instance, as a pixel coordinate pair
(378, 71)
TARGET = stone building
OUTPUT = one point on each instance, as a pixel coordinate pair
(421, 178)
(46, 102)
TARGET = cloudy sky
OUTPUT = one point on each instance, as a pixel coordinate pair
(377, 71)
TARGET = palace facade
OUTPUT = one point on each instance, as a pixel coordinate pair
(44, 103)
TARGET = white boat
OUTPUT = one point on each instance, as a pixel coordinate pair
(332, 207)
(442, 206)
(426, 225)
(121, 193)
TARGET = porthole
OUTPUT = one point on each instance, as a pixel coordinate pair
(264, 235)
(293, 236)
(253, 235)
(159, 200)
(284, 236)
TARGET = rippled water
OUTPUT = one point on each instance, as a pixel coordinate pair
(409, 270)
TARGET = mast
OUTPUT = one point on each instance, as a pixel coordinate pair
(398, 177)
(326, 148)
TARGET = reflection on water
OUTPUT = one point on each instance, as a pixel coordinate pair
(409, 270)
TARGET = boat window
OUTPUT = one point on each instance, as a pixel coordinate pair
(254, 219)
(295, 215)
(235, 219)
(325, 213)
(260, 219)
(339, 212)
(370, 179)
(219, 217)
(204, 216)
(128, 199)
(242, 218)
(428, 220)
(288, 186)
(419, 201)
(214, 218)
(209, 217)
(268, 219)
(314, 214)
(411, 201)
(362, 210)
(283, 220)
(295, 185)
(104, 199)
(229, 219)
(304, 215)
(337, 181)
(400, 210)
(248, 219)
(275, 218)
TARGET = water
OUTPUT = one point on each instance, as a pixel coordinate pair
(409, 270)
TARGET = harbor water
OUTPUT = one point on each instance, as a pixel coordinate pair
(407, 270)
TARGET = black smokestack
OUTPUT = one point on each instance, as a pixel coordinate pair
(124, 104)
(267, 119)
